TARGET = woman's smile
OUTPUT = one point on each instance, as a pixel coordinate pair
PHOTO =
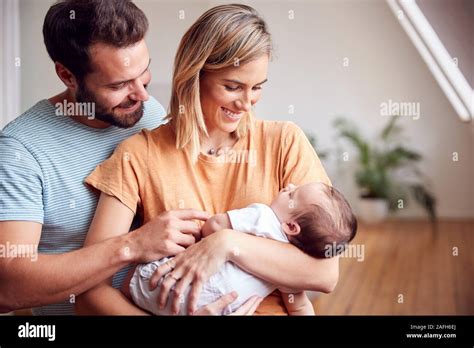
(231, 115)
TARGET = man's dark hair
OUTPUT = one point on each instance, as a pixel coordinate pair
(72, 26)
(326, 233)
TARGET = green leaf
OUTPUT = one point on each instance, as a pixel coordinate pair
(398, 156)
(349, 132)
(391, 129)
(376, 164)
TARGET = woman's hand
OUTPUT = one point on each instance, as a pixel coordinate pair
(193, 266)
(216, 308)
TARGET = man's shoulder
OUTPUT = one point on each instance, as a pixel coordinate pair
(39, 124)
(153, 104)
(153, 114)
(30, 125)
(40, 115)
(30, 120)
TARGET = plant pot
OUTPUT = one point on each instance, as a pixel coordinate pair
(372, 210)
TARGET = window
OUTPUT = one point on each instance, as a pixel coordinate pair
(443, 65)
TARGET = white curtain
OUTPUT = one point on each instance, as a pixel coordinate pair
(10, 61)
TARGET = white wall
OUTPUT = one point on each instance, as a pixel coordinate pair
(308, 73)
(383, 64)
(9, 60)
(167, 26)
(38, 78)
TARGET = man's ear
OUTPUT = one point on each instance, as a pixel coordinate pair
(291, 228)
(66, 76)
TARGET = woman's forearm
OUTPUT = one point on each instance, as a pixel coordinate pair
(282, 264)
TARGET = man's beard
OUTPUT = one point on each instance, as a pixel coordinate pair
(83, 95)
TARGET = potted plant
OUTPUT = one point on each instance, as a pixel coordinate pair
(382, 188)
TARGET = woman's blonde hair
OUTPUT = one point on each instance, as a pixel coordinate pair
(223, 37)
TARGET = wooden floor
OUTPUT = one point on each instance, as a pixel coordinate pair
(404, 258)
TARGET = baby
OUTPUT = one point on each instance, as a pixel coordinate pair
(314, 217)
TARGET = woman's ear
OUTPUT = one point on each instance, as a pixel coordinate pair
(291, 228)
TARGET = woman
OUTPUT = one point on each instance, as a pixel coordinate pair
(215, 156)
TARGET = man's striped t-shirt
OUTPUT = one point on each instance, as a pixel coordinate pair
(44, 159)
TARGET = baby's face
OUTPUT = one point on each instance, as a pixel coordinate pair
(292, 199)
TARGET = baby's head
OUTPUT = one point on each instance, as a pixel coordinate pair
(316, 218)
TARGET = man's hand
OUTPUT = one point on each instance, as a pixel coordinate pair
(166, 235)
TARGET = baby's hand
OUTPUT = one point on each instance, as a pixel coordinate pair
(215, 223)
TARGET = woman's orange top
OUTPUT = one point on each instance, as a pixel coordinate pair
(149, 175)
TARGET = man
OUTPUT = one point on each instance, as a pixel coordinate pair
(100, 55)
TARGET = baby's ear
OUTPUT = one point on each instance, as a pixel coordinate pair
(291, 228)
